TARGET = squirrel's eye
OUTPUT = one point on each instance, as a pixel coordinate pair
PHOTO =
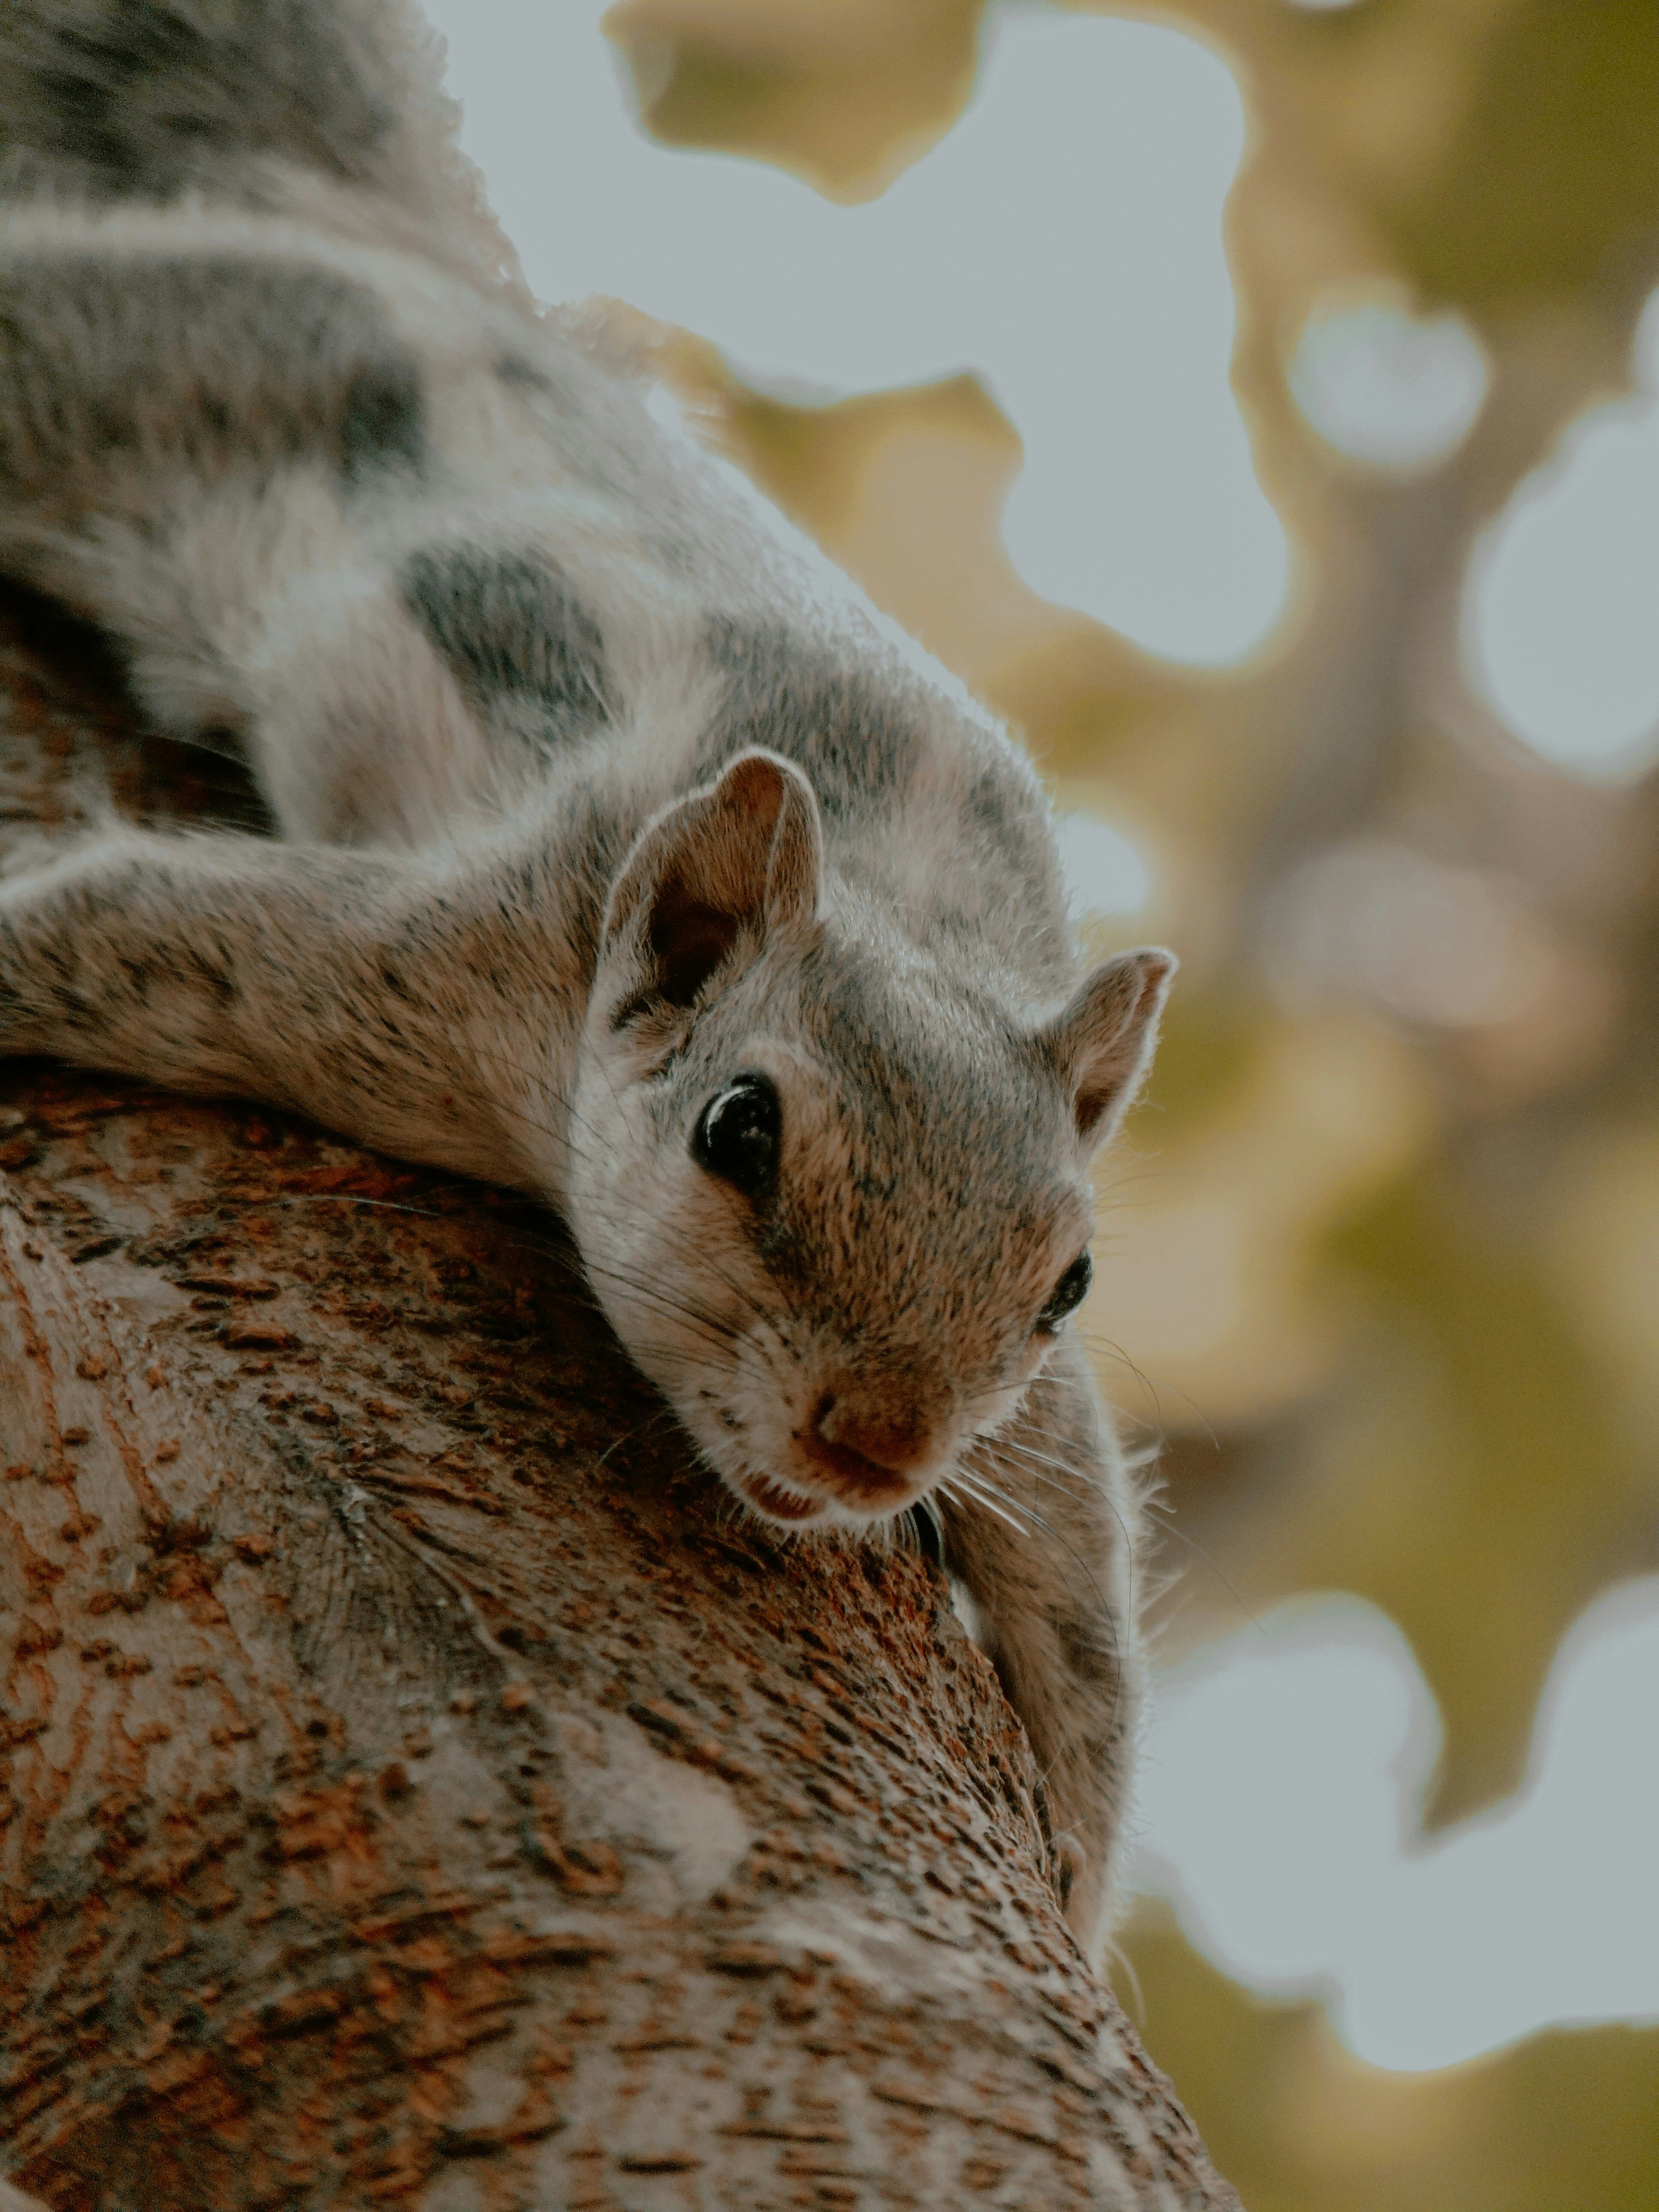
(737, 1134)
(1070, 1291)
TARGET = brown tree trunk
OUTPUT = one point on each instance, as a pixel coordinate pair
(418, 1786)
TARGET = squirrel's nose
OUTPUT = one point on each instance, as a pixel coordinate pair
(869, 1449)
(894, 1442)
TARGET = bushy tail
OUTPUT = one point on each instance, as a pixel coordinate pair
(148, 99)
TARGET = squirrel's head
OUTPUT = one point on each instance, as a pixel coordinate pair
(834, 1197)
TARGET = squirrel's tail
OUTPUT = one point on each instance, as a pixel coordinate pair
(260, 101)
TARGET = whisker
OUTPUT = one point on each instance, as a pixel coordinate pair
(1012, 1446)
(1108, 1612)
(987, 1497)
(1097, 1340)
(1166, 1520)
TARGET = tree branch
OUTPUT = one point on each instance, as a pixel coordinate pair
(419, 1787)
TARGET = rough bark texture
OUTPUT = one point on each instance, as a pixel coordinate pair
(417, 1786)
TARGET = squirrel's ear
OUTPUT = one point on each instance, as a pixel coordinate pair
(1102, 1041)
(717, 869)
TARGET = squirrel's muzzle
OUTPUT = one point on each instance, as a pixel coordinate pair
(869, 1453)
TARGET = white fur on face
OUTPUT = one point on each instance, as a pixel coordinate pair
(749, 1425)
(747, 1403)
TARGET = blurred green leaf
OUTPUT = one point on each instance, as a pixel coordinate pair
(1476, 1490)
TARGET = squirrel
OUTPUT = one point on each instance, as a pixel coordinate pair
(625, 854)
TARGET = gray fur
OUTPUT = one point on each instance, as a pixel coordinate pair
(520, 641)
(144, 93)
(837, 720)
(203, 366)
(598, 789)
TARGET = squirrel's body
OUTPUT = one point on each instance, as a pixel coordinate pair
(626, 854)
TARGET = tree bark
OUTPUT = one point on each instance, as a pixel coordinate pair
(418, 1785)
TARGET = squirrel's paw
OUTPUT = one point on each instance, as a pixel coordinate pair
(49, 967)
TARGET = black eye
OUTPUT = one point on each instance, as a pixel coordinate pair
(1070, 1291)
(737, 1134)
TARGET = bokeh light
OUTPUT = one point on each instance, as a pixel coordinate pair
(1105, 872)
(1385, 387)
(1430, 941)
(1108, 348)
(1281, 1810)
(1560, 626)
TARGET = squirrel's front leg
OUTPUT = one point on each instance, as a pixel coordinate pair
(1057, 1596)
(364, 990)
